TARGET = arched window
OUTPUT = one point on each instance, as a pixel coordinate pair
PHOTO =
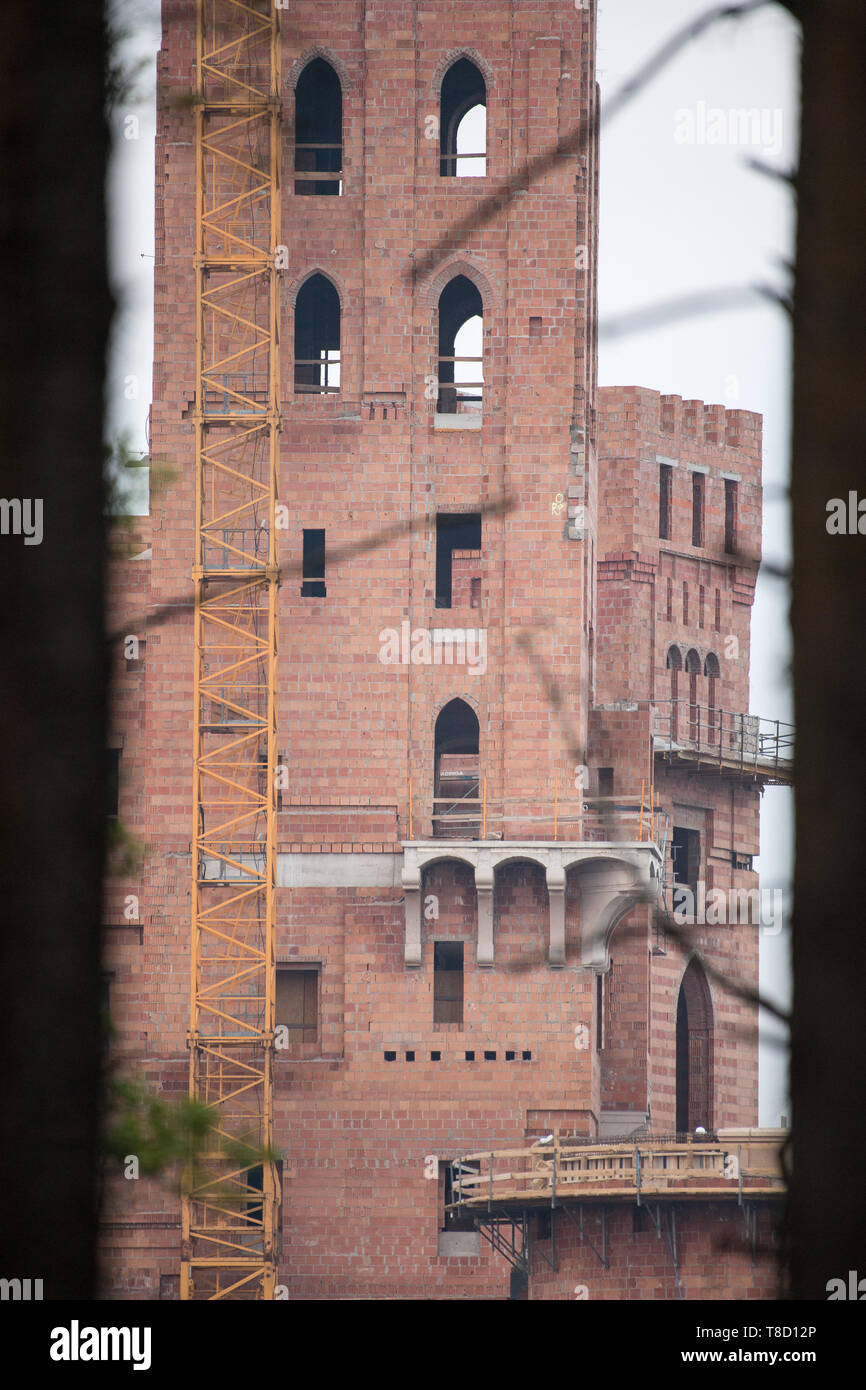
(317, 337)
(463, 122)
(693, 670)
(461, 331)
(455, 776)
(712, 671)
(674, 664)
(318, 130)
(694, 1038)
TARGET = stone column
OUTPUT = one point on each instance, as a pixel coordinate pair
(484, 890)
(556, 893)
(412, 905)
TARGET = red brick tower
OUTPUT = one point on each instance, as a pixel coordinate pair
(484, 778)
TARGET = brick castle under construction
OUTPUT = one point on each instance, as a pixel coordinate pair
(454, 711)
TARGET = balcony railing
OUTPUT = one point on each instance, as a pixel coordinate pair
(746, 742)
(468, 813)
(459, 397)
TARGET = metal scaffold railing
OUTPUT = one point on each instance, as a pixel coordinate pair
(727, 739)
(231, 1201)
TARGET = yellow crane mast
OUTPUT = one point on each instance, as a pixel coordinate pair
(231, 1203)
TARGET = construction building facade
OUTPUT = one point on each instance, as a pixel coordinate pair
(505, 722)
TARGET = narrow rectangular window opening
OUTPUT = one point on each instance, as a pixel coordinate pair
(701, 600)
(685, 604)
(686, 855)
(454, 531)
(599, 1013)
(665, 484)
(730, 517)
(313, 571)
(534, 326)
(698, 490)
(670, 601)
(718, 622)
(448, 982)
(297, 1004)
(605, 781)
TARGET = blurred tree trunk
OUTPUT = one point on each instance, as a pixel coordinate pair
(53, 331)
(827, 1208)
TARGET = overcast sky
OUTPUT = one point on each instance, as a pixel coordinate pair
(682, 212)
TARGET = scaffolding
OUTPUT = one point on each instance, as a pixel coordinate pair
(505, 1191)
(734, 743)
(230, 1219)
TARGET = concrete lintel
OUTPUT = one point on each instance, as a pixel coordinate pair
(457, 422)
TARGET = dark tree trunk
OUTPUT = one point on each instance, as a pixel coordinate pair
(827, 1210)
(53, 328)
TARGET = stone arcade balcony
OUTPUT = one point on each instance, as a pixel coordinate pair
(613, 877)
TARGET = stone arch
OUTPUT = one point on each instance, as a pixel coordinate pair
(609, 887)
(295, 285)
(452, 56)
(459, 265)
(468, 699)
(329, 56)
